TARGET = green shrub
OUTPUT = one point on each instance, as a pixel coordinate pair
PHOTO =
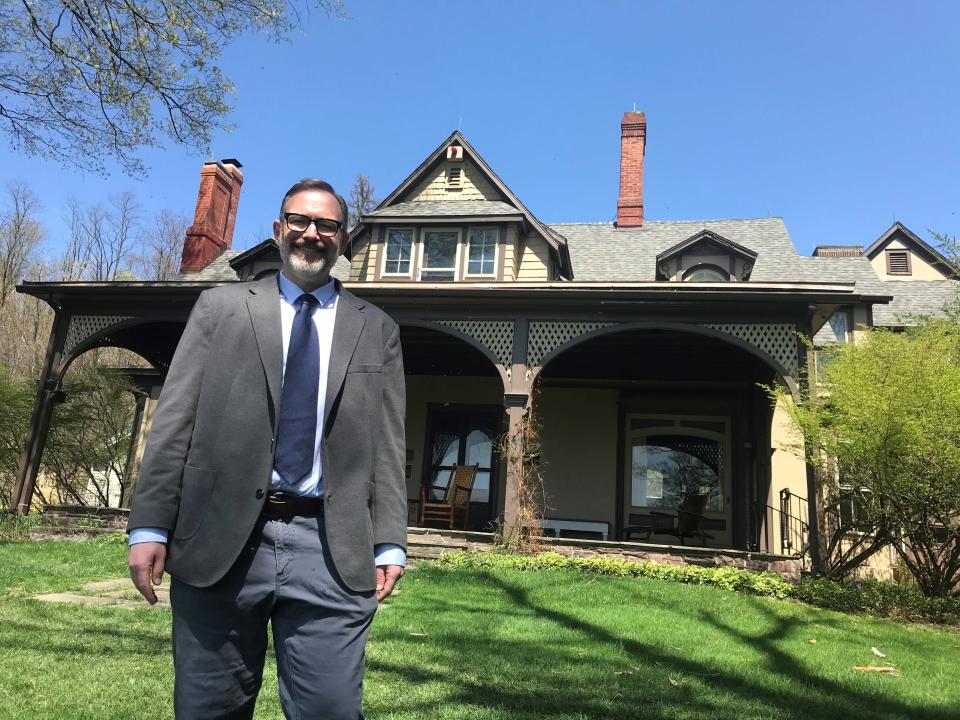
(881, 599)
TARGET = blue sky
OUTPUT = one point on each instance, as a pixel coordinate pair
(839, 117)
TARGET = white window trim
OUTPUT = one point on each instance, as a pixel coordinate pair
(423, 252)
(496, 252)
(413, 252)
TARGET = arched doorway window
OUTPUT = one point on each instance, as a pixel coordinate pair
(672, 457)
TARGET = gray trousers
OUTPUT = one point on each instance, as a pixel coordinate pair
(284, 576)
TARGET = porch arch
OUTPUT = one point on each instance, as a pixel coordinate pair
(450, 328)
(596, 330)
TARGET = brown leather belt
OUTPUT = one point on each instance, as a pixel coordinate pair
(286, 506)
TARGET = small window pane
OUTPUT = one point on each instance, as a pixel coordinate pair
(482, 252)
(399, 244)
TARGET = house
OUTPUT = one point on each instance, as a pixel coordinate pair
(638, 345)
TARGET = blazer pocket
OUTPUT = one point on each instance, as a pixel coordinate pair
(361, 368)
(195, 493)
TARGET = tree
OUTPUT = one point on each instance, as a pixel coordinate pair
(104, 241)
(884, 425)
(161, 245)
(81, 81)
(361, 199)
(20, 233)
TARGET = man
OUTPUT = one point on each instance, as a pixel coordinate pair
(272, 485)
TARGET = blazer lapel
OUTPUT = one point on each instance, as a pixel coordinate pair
(264, 307)
(346, 332)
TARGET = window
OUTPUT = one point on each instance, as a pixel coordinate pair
(397, 255)
(706, 273)
(439, 261)
(838, 323)
(898, 262)
(482, 251)
(665, 468)
(853, 515)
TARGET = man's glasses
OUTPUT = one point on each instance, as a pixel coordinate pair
(300, 223)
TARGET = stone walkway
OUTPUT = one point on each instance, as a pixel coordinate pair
(114, 593)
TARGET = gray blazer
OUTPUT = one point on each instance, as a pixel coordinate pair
(209, 457)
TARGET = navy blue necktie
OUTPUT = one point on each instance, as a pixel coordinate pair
(296, 441)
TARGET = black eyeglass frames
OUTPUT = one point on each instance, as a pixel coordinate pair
(300, 223)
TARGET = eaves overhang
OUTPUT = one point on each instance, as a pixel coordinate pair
(145, 294)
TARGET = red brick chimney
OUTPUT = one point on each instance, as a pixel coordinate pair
(212, 231)
(633, 142)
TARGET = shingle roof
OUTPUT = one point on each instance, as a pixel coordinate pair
(602, 252)
(445, 209)
(220, 270)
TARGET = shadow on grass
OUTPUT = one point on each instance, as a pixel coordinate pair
(530, 679)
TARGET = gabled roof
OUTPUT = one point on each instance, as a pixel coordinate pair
(557, 242)
(708, 236)
(925, 250)
(260, 251)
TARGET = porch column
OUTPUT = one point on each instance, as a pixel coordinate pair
(49, 394)
(815, 516)
(517, 400)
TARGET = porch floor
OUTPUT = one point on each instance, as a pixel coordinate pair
(429, 543)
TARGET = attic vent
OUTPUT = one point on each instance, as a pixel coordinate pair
(454, 178)
(898, 262)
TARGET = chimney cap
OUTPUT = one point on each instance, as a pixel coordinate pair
(629, 118)
(223, 163)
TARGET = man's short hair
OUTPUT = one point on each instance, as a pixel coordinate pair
(315, 184)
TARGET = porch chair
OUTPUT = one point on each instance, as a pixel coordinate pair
(686, 522)
(689, 519)
(456, 498)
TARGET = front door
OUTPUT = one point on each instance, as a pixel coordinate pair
(669, 457)
(465, 436)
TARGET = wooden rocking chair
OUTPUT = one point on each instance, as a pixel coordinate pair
(456, 498)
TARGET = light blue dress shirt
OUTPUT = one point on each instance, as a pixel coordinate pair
(324, 316)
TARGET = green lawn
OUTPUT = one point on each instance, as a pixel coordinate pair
(473, 644)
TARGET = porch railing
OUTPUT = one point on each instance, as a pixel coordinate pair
(789, 522)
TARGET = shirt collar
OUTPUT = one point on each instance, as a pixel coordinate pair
(291, 291)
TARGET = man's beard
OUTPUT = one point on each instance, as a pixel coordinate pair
(309, 268)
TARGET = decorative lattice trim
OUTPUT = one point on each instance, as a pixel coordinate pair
(779, 341)
(495, 335)
(84, 326)
(547, 335)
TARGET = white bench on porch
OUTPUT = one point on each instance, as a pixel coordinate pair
(558, 524)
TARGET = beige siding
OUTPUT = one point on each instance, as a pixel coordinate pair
(423, 390)
(578, 435)
(361, 265)
(509, 254)
(919, 268)
(861, 322)
(474, 185)
(535, 260)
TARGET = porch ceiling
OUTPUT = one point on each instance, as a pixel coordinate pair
(657, 355)
(428, 352)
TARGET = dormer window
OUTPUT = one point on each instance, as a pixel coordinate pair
(706, 257)
(399, 247)
(439, 260)
(706, 273)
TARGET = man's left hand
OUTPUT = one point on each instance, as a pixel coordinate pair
(387, 576)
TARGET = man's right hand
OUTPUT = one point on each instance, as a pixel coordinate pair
(146, 562)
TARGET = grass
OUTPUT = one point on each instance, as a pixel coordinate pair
(470, 643)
